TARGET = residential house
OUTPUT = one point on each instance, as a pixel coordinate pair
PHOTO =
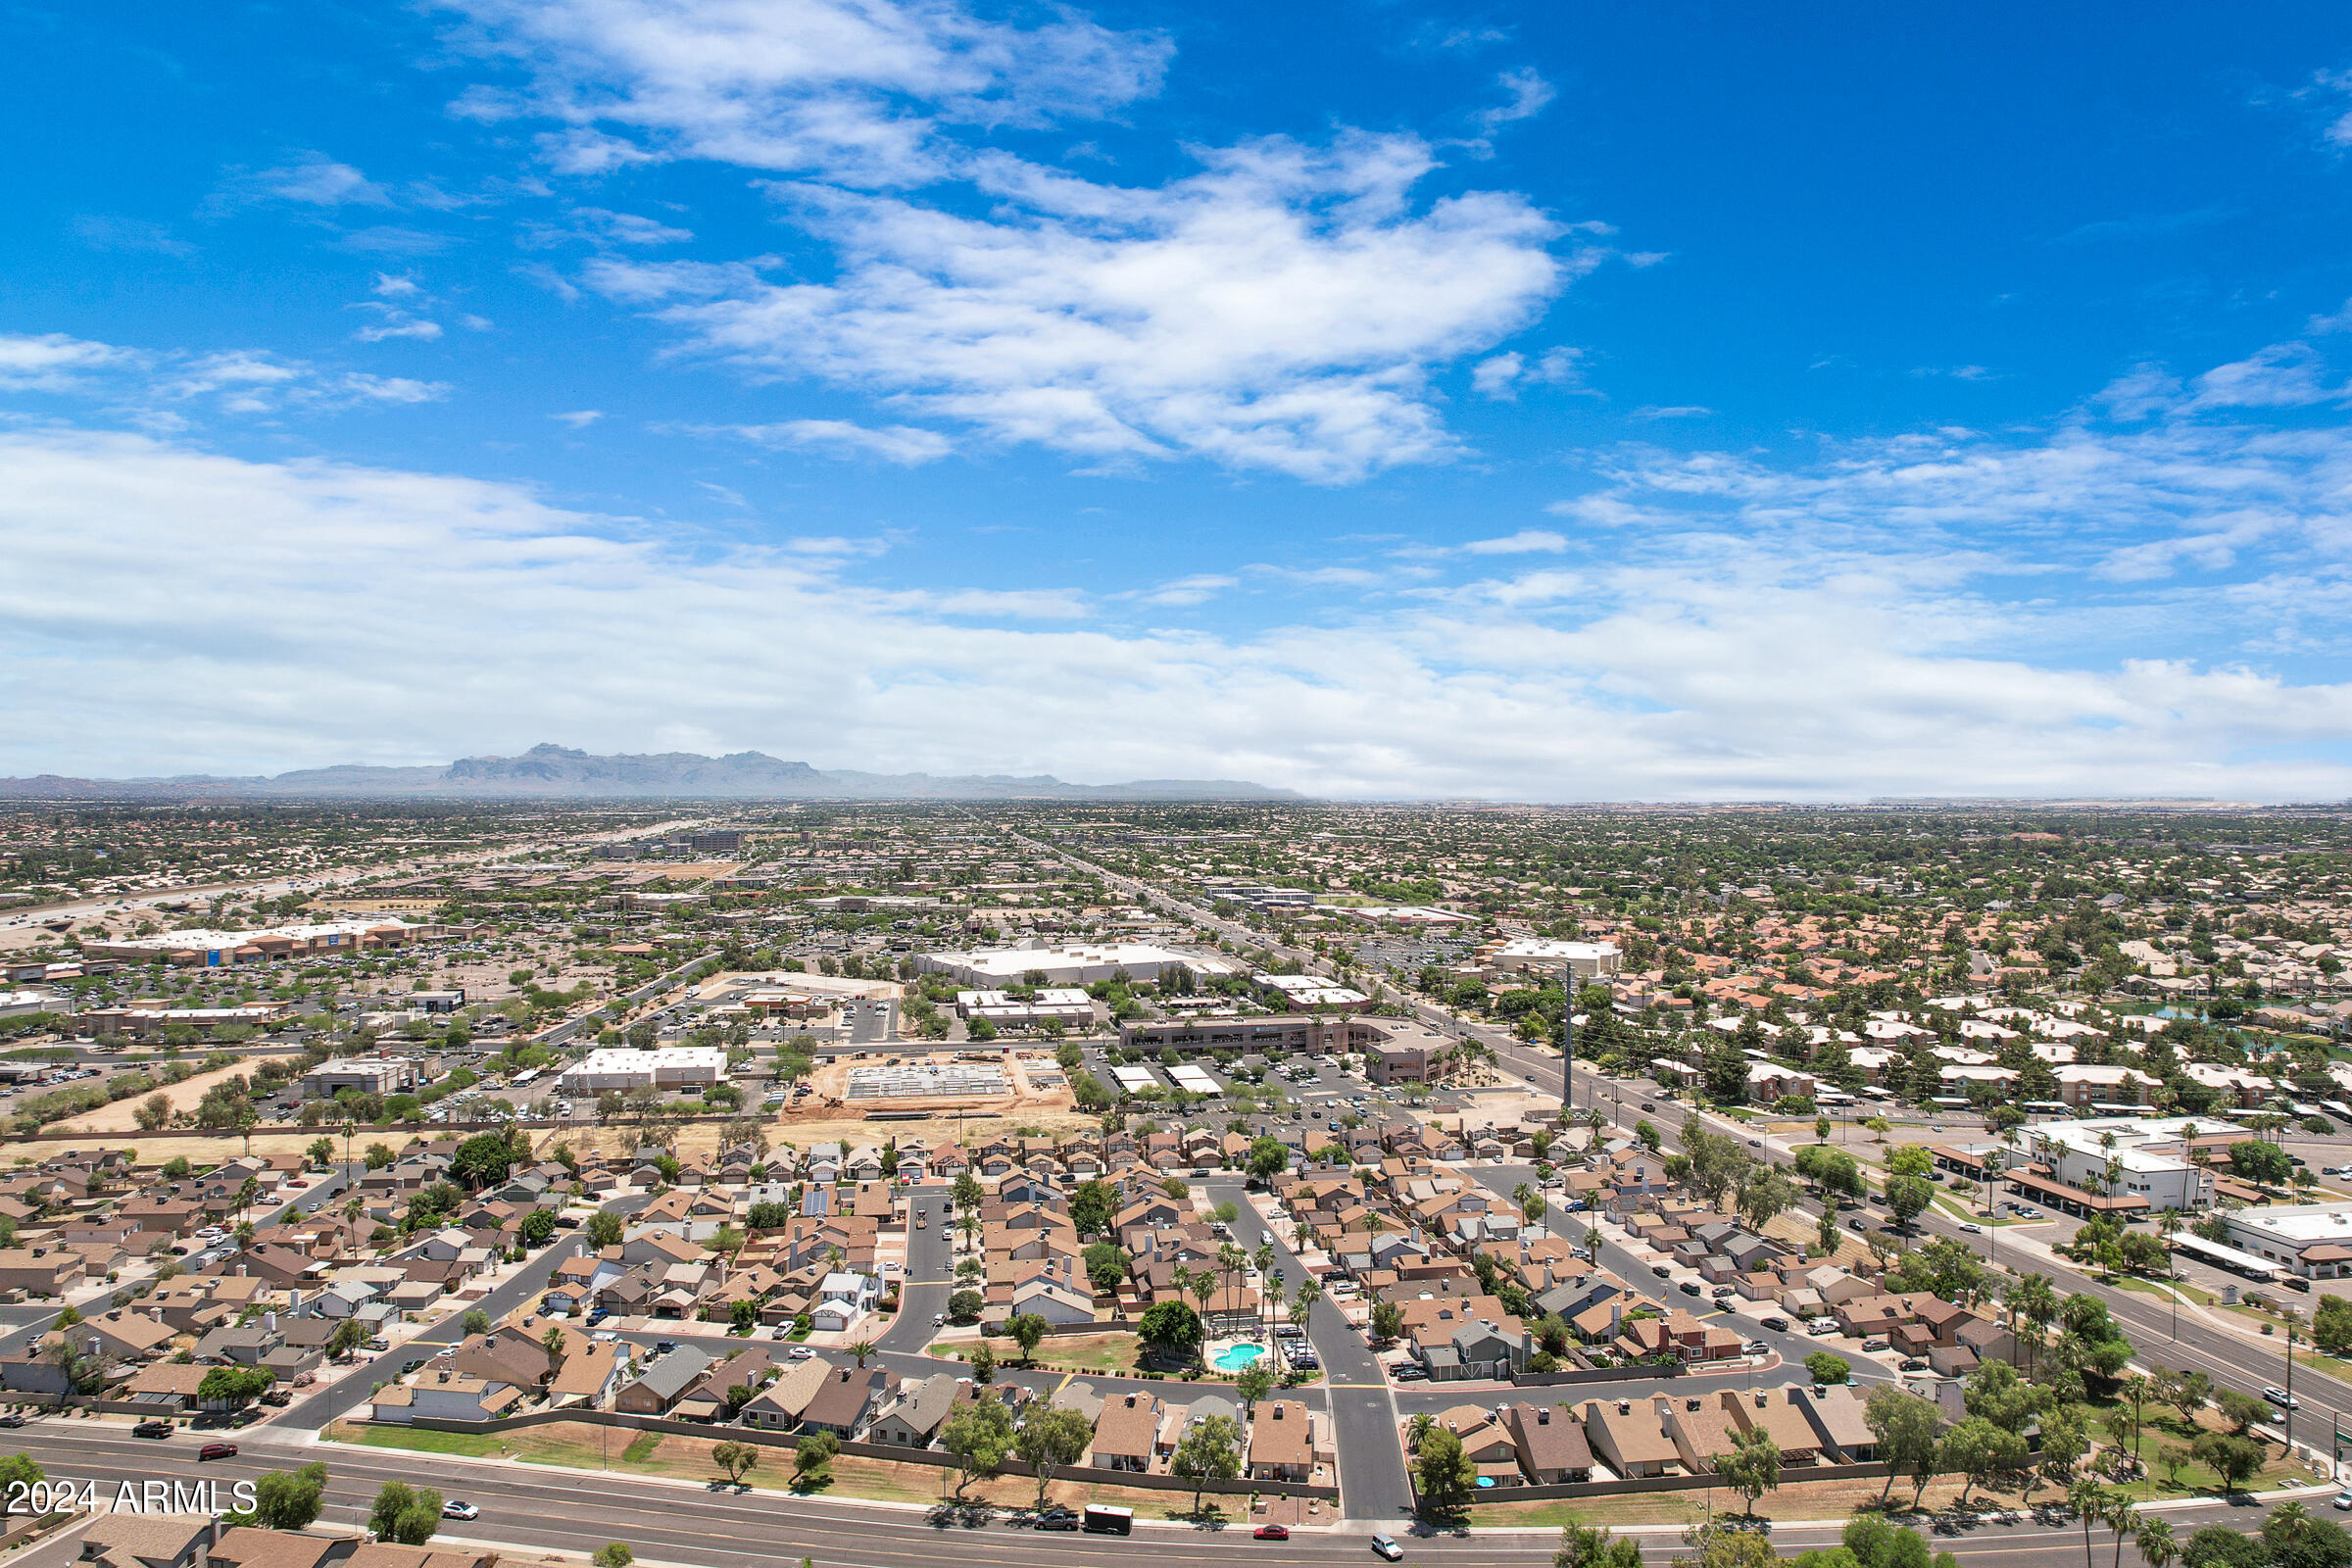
(846, 1401)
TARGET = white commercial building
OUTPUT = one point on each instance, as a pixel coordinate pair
(1315, 991)
(1047, 1006)
(2314, 1239)
(2127, 1157)
(1587, 961)
(1078, 964)
(671, 1067)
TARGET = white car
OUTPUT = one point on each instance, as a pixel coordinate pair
(455, 1509)
(1971, 1227)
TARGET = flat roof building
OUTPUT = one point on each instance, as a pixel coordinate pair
(669, 1067)
(1079, 964)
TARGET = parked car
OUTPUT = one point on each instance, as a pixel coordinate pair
(1688, 1287)
(1778, 1325)
(1874, 1344)
(1056, 1519)
(152, 1429)
(1271, 1532)
(216, 1451)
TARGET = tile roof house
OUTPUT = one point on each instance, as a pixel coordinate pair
(844, 1401)
(1125, 1430)
(1550, 1443)
(1628, 1438)
(1281, 1445)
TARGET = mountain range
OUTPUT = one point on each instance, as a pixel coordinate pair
(548, 771)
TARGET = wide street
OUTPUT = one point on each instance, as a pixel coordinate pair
(682, 1522)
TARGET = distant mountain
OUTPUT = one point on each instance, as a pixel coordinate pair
(548, 771)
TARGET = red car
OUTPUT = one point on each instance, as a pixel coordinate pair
(1272, 1532)
(218, 1451)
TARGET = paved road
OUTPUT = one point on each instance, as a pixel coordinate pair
(1363, 1409)
(930, 1271)
(678, 1522)
(338, 1398)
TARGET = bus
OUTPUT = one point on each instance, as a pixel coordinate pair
(1103, 1519)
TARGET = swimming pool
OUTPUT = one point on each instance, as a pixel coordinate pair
(1236, 1357)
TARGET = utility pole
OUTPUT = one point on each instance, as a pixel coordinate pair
(1567, 1039)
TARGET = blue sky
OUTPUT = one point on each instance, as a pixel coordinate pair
(1645, 401)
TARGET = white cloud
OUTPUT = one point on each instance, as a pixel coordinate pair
(579, 418)
(51, 362)
(1713, 663)
(1530, 94)
(399, 324)
(313, 179)
(1673, 410)
(1278, 311)
(1524, 542)
(1198, 589)
(154, 388)
(599, 226)
(1504, 375)
(854, 87)
(902, 444)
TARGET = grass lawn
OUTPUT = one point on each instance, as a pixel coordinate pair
(1086, 1352)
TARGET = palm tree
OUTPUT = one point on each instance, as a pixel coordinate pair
(2120, 1517)
(2034, 1304)
(1418, 1428)
(2088, 1499)
(1270, 1293)
(2157, 1546)
(861, 1350)
(2292, 1522)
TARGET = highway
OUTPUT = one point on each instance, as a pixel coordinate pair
(683, 1522)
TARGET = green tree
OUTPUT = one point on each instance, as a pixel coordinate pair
(812, 1457)
(234, 1386)
(406, 1514)
(1908, 1196)
(979, 1436)
(476, 1321)
(1170, 1326)
(1827, 1366)
(1049, 1440)
(737, 1459)
(1388, 1320)
(291, 1500)
(613, 1554)
(2233, 1459)
(537, 1227)
(2258, 1160)
(1443, 1473)
(1978, 1450)
(1752, 1467)
(1209, 1450)
(1593, 1546)
(604, 1230)
(1254, 1382)
(1269, 1157)
(1906, 1427)
(1028, 1331)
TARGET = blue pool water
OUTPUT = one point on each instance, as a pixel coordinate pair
(1236, 1357)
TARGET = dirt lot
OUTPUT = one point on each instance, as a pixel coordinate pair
(123, 1115)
